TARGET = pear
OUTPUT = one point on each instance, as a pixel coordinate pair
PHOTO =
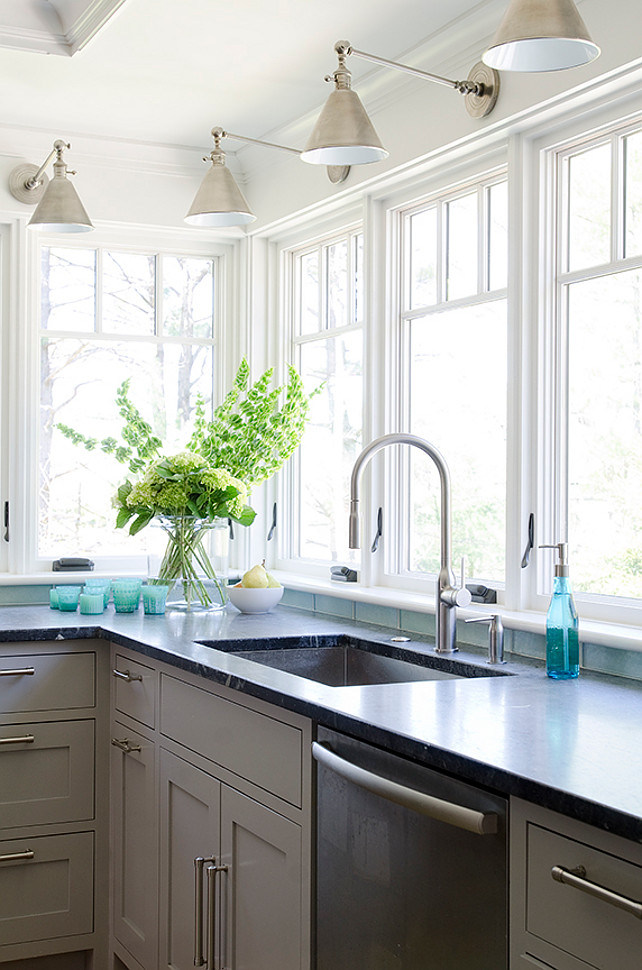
(272, 582)
(255, 578)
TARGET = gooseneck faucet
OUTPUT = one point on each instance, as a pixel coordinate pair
(449, 596)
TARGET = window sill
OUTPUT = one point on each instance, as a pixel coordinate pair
(591, 631)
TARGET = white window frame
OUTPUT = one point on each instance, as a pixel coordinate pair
(21, 396)
(289, 250)
(598, 128)
(387, 570)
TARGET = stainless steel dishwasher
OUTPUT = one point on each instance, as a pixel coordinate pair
(411, 865)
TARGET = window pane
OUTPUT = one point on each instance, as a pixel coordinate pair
(605, 435)
(330, 445)
(633, 210)
(188, 297)
(129, 293)
(458, 402)
(79, 380)
(337, 285)
(462, 252)
(423, 258)
(309, 321)
(68, 289)
(589, 190)
(498, 236)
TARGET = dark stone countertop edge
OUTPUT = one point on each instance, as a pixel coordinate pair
(476, 771)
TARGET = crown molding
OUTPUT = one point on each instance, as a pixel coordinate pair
(44, 27)
(95, 15)
(141, 158)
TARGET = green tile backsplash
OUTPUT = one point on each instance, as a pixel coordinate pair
(596, 657)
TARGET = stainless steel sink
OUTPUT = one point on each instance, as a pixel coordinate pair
(344, 661)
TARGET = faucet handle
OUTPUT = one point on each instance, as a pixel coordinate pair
(457, 595)
(495, 636)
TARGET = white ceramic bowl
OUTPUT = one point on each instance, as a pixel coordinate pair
(254, 600)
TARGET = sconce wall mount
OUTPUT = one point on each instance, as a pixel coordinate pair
(58, 208)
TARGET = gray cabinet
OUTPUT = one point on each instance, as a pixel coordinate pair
(232, 790)
(53, 818)
(576, 894)
(134, 843)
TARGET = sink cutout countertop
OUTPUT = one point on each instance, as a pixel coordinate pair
(572, 746)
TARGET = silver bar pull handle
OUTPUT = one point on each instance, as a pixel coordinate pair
(18, 672)
(125, 675)
(125, 745)
(577, 879)
(212, 872)
(481, 823)
(199, 862)
(25, 739)
(17, 856)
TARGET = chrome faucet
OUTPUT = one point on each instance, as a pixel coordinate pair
(449, 596)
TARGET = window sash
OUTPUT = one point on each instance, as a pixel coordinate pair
(23, 396)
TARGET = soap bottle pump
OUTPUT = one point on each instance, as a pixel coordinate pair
(562, 641)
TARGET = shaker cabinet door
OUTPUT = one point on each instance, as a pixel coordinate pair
(262, 905)
(134, 845)
(189, 828)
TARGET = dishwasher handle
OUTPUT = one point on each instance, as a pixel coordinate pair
(480, 823)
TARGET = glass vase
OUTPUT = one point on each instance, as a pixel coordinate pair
(195, 562)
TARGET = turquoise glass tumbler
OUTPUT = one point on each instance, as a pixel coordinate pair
(96, 584)
(91, 600)
(68, 598)
(126, 594)
(53, 599)
(154, 599)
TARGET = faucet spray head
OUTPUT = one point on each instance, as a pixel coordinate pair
(353, 525)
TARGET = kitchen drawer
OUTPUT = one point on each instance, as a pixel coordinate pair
(568, 918)
(50, 894)
(48, 776)
(260, 748)
(135, 690)
(46, 682)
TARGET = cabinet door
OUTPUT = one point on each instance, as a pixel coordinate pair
(189, 828)
(134, 849)
(262, 888)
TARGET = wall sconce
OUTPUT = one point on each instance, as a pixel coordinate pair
(344, 134)
(541, 35)
(219, 201)
(58, 208)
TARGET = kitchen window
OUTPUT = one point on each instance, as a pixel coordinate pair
(107, 314)
(594, 352)
(452, 378)
(326, 300)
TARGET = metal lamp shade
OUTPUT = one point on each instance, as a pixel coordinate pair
(541, 35)
(343, 134)
(60, 209)
(219, 202)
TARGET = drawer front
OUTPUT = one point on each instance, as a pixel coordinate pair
(46, 772)
(255, 746)
(46, 682)
(135, 690)
(48, 894)
(570, 919)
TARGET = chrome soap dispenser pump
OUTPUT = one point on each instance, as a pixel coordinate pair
(562, 640)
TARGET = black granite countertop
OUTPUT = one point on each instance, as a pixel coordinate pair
(573, 746)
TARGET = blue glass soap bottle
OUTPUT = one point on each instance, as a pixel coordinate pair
(562, 640)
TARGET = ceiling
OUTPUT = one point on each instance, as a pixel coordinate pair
(166, 71)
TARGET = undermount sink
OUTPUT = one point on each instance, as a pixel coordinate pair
(345, 661)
